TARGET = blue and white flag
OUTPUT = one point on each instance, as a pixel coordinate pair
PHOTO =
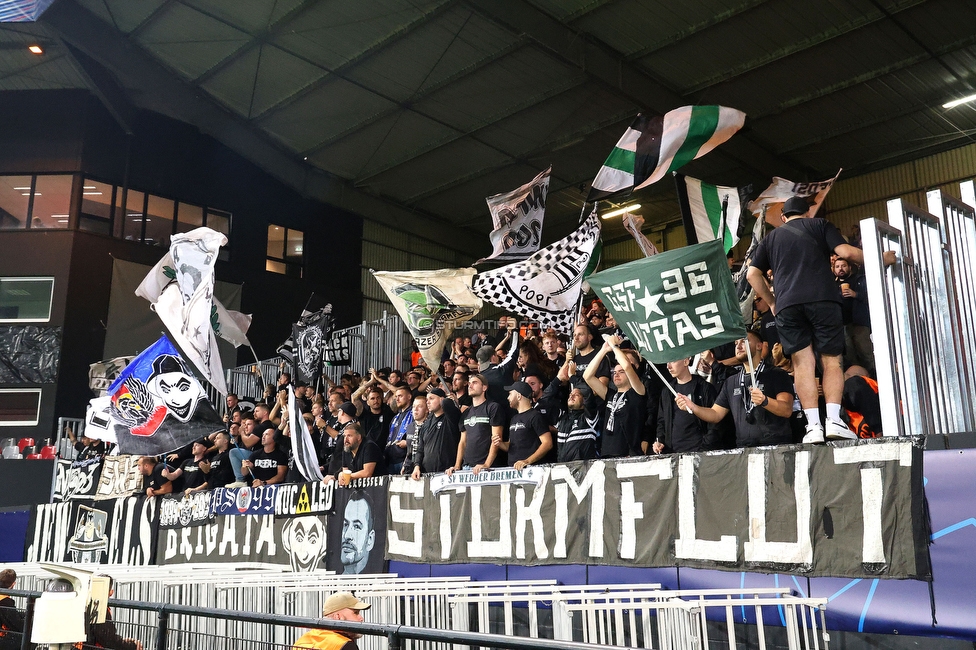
(157, 405)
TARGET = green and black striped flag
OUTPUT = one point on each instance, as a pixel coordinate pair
(654, 146)
(701, 210)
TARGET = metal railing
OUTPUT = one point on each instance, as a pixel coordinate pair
(924, 324)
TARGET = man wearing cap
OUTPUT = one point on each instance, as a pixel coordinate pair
(498, 373)
(342, 606)
(807, 306)
(482, 423)
(435, 448)
(529, 439)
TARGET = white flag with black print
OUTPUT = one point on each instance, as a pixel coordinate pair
(186, 305)
(517, 219)
(769, 204)
(302, 449)
(431, 304)
(546, 287)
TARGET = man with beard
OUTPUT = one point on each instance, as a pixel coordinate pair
(437, 442)
(529, 439)
(482, 422)
(358, 536)
(342, 606)
(395, 447)
(586, 355)
(762, 412)
(360, 457)
(858, 347)
(221, 474)
(154, 483)
(268, 465)
(679, 431)
(190, 476)
(419, 411)
(626, 406)
(459, 389)
(376, 417)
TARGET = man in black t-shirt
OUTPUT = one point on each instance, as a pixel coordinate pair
(360, 457)
(437, 439)
(268, 465)
(677, 430)
(154, 483)
(190, 477)
(529, 439)
(807, 308)
(626, 407)
(221, 473)
(375, 418)
(585, 354)
(762, 412)
(481, 423)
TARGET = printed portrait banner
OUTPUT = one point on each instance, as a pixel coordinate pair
(517, 218)
(673, 305)
(245, 500)
(852, 510)
(121, 531)
(76, 480)
(431, 304)
(357, 528)
(120, 477)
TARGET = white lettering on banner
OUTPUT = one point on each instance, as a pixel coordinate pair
(531, 513)
(683, 326)
(415, 517)
(687, 545)
(447, 540)
(228, 539)
(758, 549)
(186, 548)
(266, 536)
(593, 483)
(715, 320)
(657, 335)
(872, 491)
(630, 508)
(501, 547)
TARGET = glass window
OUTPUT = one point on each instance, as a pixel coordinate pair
(159, 221)
(96, 207)
(286, 251)
(188, 217)
(25, 299)
(52, 201)
(219, 220)
(14, 199)
(19, 407)
(135, 203)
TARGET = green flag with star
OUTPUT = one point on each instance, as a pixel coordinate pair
(675, 304)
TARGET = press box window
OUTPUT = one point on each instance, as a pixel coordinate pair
(19, 407)
(286, 251)
(26, 299)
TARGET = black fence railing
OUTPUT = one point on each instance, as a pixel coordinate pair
(163, 636)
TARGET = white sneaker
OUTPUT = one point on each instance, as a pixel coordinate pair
(839, 431)
(815, 435)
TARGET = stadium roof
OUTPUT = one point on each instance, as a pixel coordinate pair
(412, 111)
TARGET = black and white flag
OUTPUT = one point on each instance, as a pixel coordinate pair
(307, 343)
(285, 350)
(546, 287)
(517, 218)
(336, 351)
(302, 449)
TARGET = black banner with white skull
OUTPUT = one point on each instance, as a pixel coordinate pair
(853, 510)
(307, 343)
(119, 531)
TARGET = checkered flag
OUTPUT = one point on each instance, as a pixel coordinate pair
(547, 286)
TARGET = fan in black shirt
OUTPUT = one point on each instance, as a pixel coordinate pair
(625, 411)
(268, 465)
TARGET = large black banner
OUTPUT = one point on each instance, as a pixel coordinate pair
(315, 527)
(120, 531)
(76, 479)
(852, 510)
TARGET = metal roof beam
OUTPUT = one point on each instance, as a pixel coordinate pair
(614, 71)
(160, 90)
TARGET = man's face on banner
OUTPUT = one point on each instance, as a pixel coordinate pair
(357, 536)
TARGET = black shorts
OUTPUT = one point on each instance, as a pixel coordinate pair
(817, 323)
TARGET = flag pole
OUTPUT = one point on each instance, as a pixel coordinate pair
(724, 220)
(667, 383)
(686, 219)
(752, 368)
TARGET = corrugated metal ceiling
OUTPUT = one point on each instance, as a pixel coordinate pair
(433, 105)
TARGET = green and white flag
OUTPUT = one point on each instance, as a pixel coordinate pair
(675, 304)
(701, 210)
(655, 146)
(431, 304)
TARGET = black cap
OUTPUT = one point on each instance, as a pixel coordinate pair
(795, 205)
(521, 388)
(439, 392)
(348, 408)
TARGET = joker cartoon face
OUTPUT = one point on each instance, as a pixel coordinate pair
(175, 387)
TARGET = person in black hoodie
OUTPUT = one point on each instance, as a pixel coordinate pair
(679, 431)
